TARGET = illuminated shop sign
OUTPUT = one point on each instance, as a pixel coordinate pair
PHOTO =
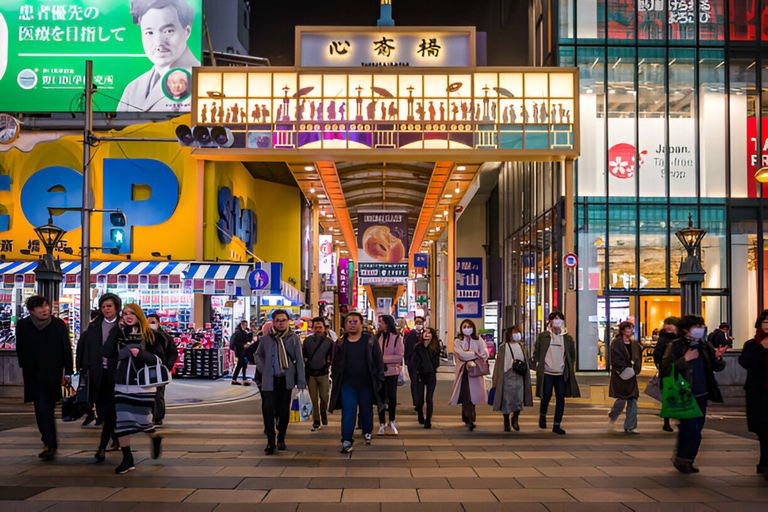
(491, 109)
(411, 47)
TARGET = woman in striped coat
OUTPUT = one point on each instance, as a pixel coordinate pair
(127, 353)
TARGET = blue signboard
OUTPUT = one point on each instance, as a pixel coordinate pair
(469, 287)
(420, 259)
(266, 278)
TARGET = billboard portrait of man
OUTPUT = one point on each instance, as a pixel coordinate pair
(177, 85)
(165, 28)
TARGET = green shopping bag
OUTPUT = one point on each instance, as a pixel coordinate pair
(678, 401)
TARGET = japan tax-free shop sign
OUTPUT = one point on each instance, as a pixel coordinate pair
(143, 52)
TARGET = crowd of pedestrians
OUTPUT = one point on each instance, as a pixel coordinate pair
(359, 370)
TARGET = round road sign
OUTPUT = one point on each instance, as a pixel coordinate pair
(571, 260)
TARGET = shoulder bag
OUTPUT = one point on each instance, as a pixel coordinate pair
(479, 368)
(519, 367)
(151, 376)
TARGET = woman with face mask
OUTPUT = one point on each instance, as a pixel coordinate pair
(554, 354)
(513, 389)
(626, 363)
(426, 360)
(754, 358)
(695, 360)
(468, 391)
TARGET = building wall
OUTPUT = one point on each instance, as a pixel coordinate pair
(229, 24)
(671, 112)
(470, 238)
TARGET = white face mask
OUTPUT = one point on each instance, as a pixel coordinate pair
(467, 331)
(153, 326)
(516, 336)
(697, 333)
(419, 327)
(557, 323)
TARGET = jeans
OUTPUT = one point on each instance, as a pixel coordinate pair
(689, 433)
(241, 364)
(319, 391)
(388, 396)
(630, 422)
(556, 382)
(276, 409)
(45, 415)
(428, 384)
(351, 399)
(159, 412)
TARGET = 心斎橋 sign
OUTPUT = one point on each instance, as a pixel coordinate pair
(349, 47)
(515, 111)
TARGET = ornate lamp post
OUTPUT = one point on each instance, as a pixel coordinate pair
(48, 273)
(691, 273)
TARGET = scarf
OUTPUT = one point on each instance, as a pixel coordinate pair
(40, 324)
(281, 354)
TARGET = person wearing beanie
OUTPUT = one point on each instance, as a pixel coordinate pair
(93, 368)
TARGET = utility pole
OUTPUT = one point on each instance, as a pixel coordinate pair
(85, 214)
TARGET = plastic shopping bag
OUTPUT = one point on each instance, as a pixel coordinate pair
(305, 405)
(678, 401)
(295, 415)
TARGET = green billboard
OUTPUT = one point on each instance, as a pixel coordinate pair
(143, 52)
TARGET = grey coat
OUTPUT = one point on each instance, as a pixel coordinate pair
(498, 377)
(294, 374)
(540, 349)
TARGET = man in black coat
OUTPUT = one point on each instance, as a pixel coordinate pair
(237, 343)
(170, 355)
(93, 367)
(45, 357)
(720, 336)
(410, 342)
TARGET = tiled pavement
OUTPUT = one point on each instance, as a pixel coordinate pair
(213, 459)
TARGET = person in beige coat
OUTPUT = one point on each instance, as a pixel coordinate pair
(513, 390)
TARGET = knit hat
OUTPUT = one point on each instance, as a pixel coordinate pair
(114, 298)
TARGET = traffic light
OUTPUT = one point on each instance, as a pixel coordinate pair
(204, 137)
(117, 231)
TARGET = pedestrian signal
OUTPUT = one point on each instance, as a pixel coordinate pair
(117, 231)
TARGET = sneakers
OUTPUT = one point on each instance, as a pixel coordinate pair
(346, 446)
(235, 383)
(392, 426)
(127, 464)
(47, 453)
(382, 430)
(557, 430)
(315, 427)
(269, 449)
(157, 448)
(367, 439)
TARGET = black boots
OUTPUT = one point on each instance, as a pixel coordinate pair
(515, 424)
(156, 446)
(542, 420)
(127, 464)
(324, 417)
(506, 423)
(421, 416)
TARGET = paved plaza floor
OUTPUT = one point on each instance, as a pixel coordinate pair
(213, 460)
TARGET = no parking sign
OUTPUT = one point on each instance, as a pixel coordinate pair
(570, 260)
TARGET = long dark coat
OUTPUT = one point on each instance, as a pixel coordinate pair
(44, 358)
(498, 377)
(753, 359)
(540, 349)
(375, 366)
(675, 354)
(618, 387)
(89, 358)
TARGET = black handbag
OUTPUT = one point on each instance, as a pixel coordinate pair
(70, 410)
(519, 367)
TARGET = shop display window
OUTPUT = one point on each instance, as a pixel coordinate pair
(745, 275)
(743, 125)
(711, 21)
(565, 14)
(590, 245)
(590, 20)
(590, 167)
(650, 20)
(743, 19)
(622, 162)
(712, 123)
(621, 271)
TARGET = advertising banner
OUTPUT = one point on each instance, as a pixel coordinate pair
(142, 56)
(382, 247)
(752, 163)
(325, 265)
(343, 280)
(469, 287)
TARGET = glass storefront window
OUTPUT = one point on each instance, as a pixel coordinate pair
(682, 128)
(743, 20)
(713, 247)
(591, 165)
(622, 235)
(743, 126)
(590, 19)
(565, 15)
(652, 101)
(711, 21)
(682, 20)
(712, 123)
(621, 20)
(653, 247)
(622, 165)
(590, 242)
(745, 278)
(650, 19)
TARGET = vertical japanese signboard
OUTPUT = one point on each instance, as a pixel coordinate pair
(382, 247)
(325, 262)
(469, 287)
(142, 55)
(344, 280)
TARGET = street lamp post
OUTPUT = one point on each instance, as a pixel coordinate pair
(48, 272)
(691, 273)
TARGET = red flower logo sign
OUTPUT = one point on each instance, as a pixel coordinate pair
(621, 160)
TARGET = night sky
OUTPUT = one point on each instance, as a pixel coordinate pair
(273, 23)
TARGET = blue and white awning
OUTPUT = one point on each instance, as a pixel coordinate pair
(102, 267)
(218, 271)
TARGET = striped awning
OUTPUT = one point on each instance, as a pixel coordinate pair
(103, 267)
(218, 271)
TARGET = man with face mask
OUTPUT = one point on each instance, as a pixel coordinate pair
(553, 355)
(171, 353)
(696, 360)
(410, 341)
